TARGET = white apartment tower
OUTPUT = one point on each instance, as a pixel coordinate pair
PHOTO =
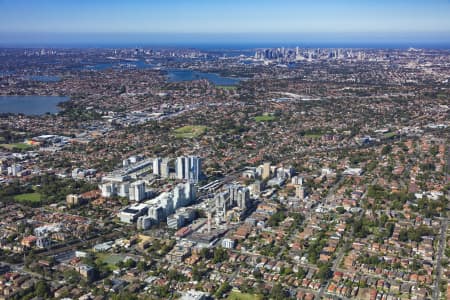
(188, 168)
(157, 166)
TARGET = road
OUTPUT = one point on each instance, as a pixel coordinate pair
(337, 261)
(439, 259)
(442, 241)
(331, 192)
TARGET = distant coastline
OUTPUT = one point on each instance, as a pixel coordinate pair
(238, 41)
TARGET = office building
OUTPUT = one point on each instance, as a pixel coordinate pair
(300, 192)
(228, 243)
(165, 171)
(297, 180)
(157, 166)
(14, 170)
(188, 168)
(123, 189)
(179, 167)
(175, 221)
(137, 191)
(256, 188)
(222, 202)
(243, 198)
(239, 196)
(144, 222)
(194, 168)
(43, 242)
(108, 189)
(132, 213)
(156, 213)
(74, 200)
(266, 171)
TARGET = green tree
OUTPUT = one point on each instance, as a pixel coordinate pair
(42, 289)
(220, 255)
(224, 288)
(278, 293)
(324, 272)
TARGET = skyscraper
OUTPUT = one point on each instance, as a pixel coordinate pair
(165, 168)
(137, 191)
(266, 171)
(195, 168)
(188, 168)
(179, 167)
(300, 192)
(157, 166)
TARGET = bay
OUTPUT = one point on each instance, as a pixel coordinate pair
(31, 105)
(178, 75)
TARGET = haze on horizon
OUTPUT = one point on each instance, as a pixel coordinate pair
(179, 21)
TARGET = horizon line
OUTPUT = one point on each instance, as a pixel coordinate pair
(230, 32)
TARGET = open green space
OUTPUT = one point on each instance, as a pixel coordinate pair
(390, 135)
(190, 131)
(313, 135)
(29, 197)
(20, 146)
(241, 296)
(265, 118)
(227, 87)
(110, 259)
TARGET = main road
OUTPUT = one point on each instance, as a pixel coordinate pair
(443, 240)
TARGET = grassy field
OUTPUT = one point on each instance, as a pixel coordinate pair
(20, 146)
(390, 135)
(313, 136)
(189, 132)
(241, 296)
(227, 87)
(110, 259)
(265, 118)
(31, 197)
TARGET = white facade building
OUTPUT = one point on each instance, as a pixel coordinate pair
(188, 168)
(228, 243)
(137, 191)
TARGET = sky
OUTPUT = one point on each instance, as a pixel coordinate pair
(24, 21)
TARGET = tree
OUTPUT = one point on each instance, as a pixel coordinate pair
(130, 263)
(120, 264)
(278, 293)
(124, 296)
(325, 272)
(340, 210)
(276, 219)
(386, 149)
(42, 289)
(142, 266)
(301, 273)
(205, 253)
(220, 255)
(224, 288)
(257, 274)
(403, 235)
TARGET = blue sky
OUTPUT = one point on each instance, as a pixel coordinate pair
(405, 18)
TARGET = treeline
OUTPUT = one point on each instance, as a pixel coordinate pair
(8, 192)
(54, 189)
(51, 188)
